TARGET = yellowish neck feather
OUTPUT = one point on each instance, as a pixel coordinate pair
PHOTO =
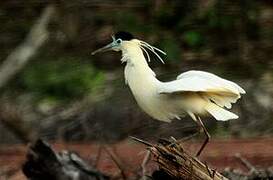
(133, 55)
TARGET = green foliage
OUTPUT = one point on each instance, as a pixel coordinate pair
(193, 38)
(214, 20)
(164, 16)
(222, 130)
(129, 21)
(171, 47)
(61, 79)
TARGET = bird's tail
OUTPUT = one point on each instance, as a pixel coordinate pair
(219, 113)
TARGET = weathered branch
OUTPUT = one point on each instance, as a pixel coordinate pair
(246, 163)
(25, 51)
(15, 62)
(44, 163)
(176, 162)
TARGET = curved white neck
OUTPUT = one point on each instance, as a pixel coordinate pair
(137, 68)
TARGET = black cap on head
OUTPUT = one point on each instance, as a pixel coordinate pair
(124, 35)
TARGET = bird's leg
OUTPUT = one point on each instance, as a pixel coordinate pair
(201, 124)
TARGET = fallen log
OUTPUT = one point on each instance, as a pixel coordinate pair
(43, 163)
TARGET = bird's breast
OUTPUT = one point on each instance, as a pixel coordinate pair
(144, 87)
(142, 84)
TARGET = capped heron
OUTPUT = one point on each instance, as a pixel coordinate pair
(193, 93)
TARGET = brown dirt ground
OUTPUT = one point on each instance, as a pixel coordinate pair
(218, 154)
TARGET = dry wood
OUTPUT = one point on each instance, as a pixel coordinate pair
(15, 62)
(246, 163)
(43, 163)
(20, 56)
(174, 160)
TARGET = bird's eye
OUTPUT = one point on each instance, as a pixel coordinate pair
(119, 41)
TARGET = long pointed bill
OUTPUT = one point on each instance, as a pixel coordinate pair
(108, 47)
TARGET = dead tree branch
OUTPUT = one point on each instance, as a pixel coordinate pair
(246, 163)
(17, 59)
(176, 162)
(15, 62)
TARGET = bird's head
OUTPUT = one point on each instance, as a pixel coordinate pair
(119, 39)
(123, 40)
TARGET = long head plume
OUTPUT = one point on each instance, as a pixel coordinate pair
(120, 36)
(153, 49)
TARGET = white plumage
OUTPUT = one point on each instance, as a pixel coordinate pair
(195, 93)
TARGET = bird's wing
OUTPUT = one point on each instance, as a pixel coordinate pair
(219, 90)
(200, 81)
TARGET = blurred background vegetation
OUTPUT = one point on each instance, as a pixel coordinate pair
(64, 93)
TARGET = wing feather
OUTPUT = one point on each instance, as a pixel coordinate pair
(214, 88)
(212, 78)
(200, 81)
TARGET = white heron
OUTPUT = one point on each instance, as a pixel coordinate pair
(193, 93)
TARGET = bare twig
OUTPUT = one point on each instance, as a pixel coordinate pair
(141, 141)
(17, 59)
(144, 163)
(97, 159)
(116, 160)
(246, 163)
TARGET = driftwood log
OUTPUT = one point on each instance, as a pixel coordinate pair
(175, 163)
(43, 163)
